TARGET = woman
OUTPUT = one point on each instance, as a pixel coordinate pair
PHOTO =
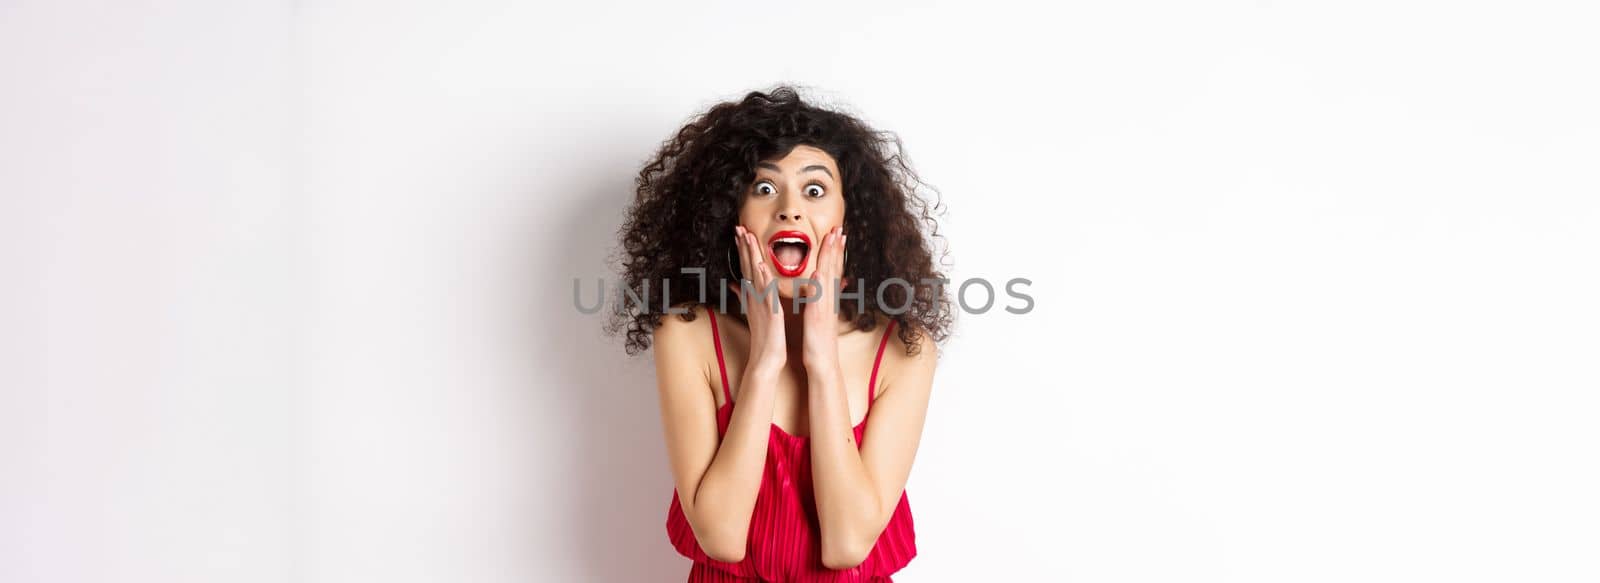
(792, 406)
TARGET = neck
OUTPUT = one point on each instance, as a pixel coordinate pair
(793, 325)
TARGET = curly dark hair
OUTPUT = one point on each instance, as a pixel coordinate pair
(688, 198)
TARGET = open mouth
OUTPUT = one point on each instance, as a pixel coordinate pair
(791, 250)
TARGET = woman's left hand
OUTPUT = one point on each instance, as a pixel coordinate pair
(821, 319)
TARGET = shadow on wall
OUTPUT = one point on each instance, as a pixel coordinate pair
(616, 472)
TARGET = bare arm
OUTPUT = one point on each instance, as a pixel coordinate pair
(857, 490)
(717, 482)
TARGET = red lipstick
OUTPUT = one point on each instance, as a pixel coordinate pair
(793, 246)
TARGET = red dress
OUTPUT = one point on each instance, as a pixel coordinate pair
(783, 543)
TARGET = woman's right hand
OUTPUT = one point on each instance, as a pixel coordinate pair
(768, 347)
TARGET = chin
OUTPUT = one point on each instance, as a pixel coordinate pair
(786, 286)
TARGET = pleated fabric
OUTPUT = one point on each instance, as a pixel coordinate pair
(784, 540)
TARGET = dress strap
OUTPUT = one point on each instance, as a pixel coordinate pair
(716, 338)
(872, 384)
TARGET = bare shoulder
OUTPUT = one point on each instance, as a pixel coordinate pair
(682, 347)
(904, 367)
(680, 334)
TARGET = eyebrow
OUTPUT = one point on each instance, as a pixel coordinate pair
(811, 168)
(824, 169)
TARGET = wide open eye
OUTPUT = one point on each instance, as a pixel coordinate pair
(765, 187)
(814, 190)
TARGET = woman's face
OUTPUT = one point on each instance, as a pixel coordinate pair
(790, 205)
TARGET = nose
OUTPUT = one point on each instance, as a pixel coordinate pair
(788, 211)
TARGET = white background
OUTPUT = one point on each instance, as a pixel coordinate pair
(287, 285)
